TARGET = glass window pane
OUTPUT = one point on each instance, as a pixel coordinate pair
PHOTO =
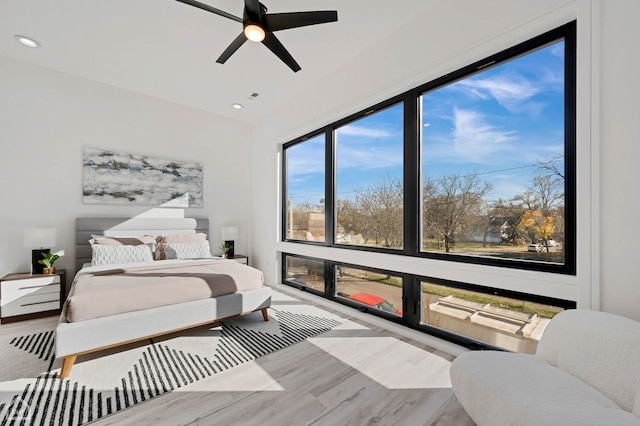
(305, 190)
(493, 155)
(373, 289)
(307, 272)
(369, 197)
(511, 324)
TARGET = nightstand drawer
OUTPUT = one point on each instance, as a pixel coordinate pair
(31, 304)
(15, 289)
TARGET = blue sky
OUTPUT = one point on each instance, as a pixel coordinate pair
(499, 123)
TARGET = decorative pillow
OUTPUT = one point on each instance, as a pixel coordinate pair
(109, 255)
(187, 250)
(176, 239)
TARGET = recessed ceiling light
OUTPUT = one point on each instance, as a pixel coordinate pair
(236, 106)
(29, 42)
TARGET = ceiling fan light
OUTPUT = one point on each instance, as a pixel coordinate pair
(254, 33)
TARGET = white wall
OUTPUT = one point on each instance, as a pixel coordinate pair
(607, 140)
(47, 118)
(619, 68)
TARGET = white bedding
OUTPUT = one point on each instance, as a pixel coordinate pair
(105, 290)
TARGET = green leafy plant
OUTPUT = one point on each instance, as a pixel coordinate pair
(49, 259)
(225, 248)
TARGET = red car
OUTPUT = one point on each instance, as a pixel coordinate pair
(374, 301)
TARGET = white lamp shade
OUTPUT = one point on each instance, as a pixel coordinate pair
(40, 237)
(229, 233)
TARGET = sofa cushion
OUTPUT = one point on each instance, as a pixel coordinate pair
(502, 388)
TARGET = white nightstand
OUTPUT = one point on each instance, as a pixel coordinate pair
(26, 296)
(240, 258)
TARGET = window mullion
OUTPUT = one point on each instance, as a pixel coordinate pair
(329, 188)
(411, 215)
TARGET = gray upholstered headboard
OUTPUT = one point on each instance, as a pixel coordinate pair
(121, 227)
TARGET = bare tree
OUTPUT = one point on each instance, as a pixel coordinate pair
(550, 168)
(375, 213)
(450, 202)
(381, 206)
(548, 191)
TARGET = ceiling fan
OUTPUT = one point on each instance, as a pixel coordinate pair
(259, 27)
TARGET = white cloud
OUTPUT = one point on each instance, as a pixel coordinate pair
(306, 158)
(476, 140)
(558, 50)
(509, 90)
(305, 166)
(371, 158)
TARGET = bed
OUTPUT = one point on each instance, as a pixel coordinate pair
(116, 303)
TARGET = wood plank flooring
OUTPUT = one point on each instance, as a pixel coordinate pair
(355, 374)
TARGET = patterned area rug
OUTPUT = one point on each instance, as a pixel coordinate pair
(107, 382)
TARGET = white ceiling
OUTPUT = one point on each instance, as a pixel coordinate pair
(167, 49)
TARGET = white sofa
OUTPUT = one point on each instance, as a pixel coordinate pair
(586, 371)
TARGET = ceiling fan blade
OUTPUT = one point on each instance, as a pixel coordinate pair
(272, 42)
(253, 8)
(235, 45)
(210, 9)
(284, 21)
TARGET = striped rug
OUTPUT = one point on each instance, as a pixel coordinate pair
(101, 384)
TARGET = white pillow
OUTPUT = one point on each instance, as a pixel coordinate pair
(187, 250)
(110, 255)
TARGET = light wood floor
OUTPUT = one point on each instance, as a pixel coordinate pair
(355, 374)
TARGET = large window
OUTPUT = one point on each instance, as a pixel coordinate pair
(467, 314)
(369, 180)
(493, 161)
(477, 167)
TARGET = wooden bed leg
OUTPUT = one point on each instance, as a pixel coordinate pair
(265, 315)
(67, 363)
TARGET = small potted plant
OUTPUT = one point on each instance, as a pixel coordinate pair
(48, 261)
(225, 249)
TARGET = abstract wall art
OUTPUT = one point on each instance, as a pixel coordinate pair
(129, 179)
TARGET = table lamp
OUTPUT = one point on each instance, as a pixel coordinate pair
(39, 237)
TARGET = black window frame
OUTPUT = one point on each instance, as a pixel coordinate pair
(412, 298)
(411, 184)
